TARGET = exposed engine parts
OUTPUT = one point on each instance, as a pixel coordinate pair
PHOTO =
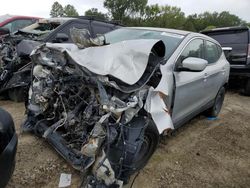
(8, 58)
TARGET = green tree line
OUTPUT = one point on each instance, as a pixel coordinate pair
(57, 10)
(139, 13)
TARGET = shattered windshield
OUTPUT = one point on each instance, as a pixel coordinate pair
(171, 40)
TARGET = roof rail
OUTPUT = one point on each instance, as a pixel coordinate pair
(225, 29)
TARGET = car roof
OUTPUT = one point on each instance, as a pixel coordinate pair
(178, 32)
(94, 18)
(7, 18)
(223, 29)
(62, 20)
(55, 20)
(18, 17)
(175, 31)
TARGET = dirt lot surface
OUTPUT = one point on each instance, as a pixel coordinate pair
(203, 153)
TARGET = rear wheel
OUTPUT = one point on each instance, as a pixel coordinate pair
(215, 109)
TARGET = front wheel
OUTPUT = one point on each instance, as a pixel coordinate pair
(216, 108)
(149, 145)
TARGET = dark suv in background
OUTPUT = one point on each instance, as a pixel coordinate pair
(237, 40)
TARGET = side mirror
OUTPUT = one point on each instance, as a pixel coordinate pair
(61, 37)
(4, 31)
(194, 64)
(227, 51)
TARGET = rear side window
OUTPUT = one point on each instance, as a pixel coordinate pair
(212, 52)
(230, 37)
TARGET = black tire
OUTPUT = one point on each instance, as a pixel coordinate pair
(7, 129)
(16, 94)
(151, 140)
(8, 145)
(216, 108)
(246, 90)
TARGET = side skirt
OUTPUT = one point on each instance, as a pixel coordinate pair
(182, 121)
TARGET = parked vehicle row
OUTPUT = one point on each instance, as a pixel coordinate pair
(15, 49)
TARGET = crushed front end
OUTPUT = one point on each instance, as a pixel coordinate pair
(97, 122)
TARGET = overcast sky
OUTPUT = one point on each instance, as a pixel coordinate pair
(42, 8)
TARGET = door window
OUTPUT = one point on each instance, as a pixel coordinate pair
(194, 49)
(212, 52)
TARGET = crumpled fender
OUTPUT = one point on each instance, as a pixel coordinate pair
(156, 106)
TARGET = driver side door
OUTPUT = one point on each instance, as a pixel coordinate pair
(190, 85)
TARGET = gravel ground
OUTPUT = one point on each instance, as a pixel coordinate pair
(203, 153)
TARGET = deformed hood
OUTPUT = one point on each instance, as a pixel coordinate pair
(126, 60)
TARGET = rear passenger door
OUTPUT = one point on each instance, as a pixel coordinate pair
(215, 70)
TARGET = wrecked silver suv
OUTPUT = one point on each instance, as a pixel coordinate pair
(103, 106)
